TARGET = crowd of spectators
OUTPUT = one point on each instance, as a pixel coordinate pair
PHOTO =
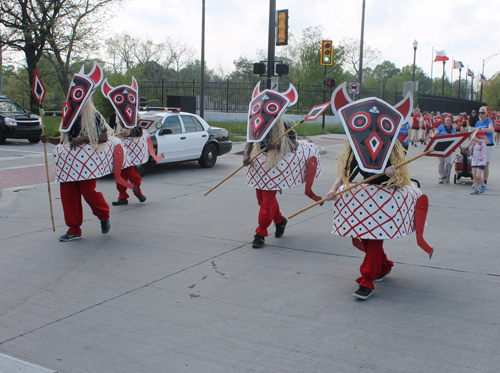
(425, 125)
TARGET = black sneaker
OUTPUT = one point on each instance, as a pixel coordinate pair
(120, 202)
(141, 197)
(381, 277)
(280, 228)
(105, 226)
(363, 292)
(258, 241)
(69, 237)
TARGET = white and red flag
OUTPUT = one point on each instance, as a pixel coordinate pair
(441, 56)
(458, 65)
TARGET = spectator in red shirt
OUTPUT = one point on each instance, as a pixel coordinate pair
(438, 120)
(415, 126)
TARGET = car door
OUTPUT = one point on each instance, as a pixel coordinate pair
(196, 136)
(172, 145)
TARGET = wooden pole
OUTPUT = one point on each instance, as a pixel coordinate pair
(255, 156)
(361, 182)
(47, 171)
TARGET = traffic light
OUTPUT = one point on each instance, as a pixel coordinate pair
(326, 52)
(259, 68)
(282, 69)
(331, 83)
(282, 34)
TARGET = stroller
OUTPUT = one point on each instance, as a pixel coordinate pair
(463, 165)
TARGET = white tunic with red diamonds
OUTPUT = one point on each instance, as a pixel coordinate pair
(375, 212)
(136, 150)
(288, 173)
(85, 162)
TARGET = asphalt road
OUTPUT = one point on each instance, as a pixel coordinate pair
(176, 287)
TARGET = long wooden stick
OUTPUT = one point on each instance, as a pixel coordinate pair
(259, 153)
(47, 171)
(361, 182)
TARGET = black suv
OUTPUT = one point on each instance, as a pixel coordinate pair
(17, 123)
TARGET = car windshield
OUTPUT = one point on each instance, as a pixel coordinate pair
(11, 107)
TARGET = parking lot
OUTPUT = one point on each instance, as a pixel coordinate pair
(175, 286)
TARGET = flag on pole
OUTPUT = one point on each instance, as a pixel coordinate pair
(441, 56)
(458, 65)
(470, 73)
(482, 79)
(38, 88)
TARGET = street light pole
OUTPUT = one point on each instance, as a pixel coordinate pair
(360, 76)
(415, 45)
(485, 61)
(202, 81)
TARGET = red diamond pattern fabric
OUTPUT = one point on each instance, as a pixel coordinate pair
(288, 173)
(136, 150)
(375, 212)
(85, 162)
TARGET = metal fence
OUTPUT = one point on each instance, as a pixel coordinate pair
(234, 97)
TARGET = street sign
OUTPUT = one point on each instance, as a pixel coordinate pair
(274, 83)
(353, 87)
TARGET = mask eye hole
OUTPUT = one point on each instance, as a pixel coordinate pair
(360, 121)
(118, 99)
(131, 98)
(387, 125)
(256, 108)
(271, 107)
(78, 93)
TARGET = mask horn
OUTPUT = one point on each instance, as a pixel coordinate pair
(340, 98)
(256, 90)
(292, 95)
(405, 106)
(96, 75)
(134, 84)
(106, 88)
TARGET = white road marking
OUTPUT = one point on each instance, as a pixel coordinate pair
(15, 168)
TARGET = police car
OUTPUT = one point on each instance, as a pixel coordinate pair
(182, 137)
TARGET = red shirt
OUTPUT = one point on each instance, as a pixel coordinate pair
(438, 120)
(416, 120)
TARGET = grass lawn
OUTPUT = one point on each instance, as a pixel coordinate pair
(51, 125)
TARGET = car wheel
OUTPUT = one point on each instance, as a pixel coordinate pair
(2, 137)
(34, 140)
(208, 156)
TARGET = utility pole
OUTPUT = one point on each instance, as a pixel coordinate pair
(1, 63)
(360, 77)
(202, 80)
(271, 43)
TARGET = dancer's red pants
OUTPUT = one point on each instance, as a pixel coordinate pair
(269, 210)
(132, 176)
(375, 262)
(71, 198)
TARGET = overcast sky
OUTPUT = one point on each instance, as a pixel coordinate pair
(234, 28)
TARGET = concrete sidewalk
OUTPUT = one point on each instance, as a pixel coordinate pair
(175, 286)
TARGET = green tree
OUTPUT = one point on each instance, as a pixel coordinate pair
(351, 49)
(243, 71)
(491, 93)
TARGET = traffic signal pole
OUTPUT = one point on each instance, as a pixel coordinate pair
(324, 98)
(272, 41)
